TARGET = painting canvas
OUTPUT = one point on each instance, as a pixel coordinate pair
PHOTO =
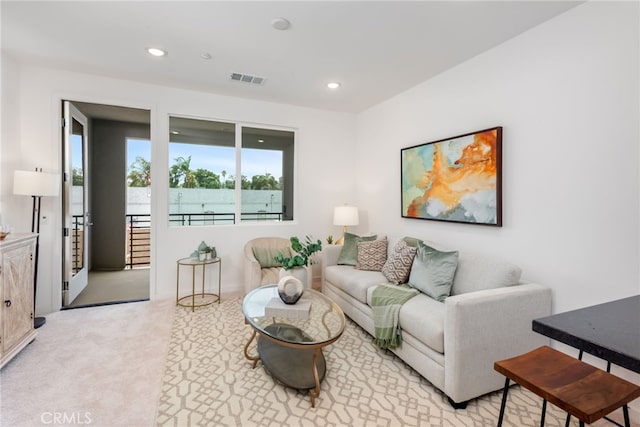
(456, 179)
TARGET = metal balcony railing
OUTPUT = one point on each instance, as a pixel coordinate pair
(206, 218)
(138, 234)
(138, 251)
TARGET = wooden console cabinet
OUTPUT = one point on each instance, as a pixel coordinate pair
(17, 254)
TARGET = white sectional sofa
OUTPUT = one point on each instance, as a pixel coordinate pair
(454, 343)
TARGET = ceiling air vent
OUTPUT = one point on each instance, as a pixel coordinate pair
(247, 78)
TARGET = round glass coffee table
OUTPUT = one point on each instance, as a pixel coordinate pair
(291, 338)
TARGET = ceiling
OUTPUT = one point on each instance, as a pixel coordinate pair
(375, 49)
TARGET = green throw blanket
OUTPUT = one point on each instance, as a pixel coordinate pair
(386, 301)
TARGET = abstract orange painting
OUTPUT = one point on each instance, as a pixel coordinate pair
(455, 179)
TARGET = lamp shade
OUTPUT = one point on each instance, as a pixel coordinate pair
(32, 183)
(345, 215)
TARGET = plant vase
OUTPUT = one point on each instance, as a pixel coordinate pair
(299, 273)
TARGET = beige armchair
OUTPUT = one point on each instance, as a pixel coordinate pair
(256, 275)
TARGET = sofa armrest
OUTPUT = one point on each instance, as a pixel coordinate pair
(483, 327)
(330, 254)
(329, 257)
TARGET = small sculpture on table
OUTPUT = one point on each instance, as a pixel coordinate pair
(290, 289)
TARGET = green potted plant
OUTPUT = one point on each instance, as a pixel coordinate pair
(296, 264)
(303, 252)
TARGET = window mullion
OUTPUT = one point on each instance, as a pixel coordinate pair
(238, 188)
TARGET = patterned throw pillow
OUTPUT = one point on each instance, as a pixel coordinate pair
(398, 265)
(372, 255)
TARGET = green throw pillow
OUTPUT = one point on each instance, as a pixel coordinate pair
(432, 271)
(349, 253)
(266, 256)
(412, 241)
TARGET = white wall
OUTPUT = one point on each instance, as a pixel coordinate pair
(567, 95)
(9, 129)
(323, 179)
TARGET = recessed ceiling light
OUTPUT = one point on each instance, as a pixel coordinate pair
(280, 24)
(156, 52)
(205, 55)
(333, 85)
(175, 132)
(261, 140)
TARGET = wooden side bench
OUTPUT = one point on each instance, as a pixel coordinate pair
(580, 389)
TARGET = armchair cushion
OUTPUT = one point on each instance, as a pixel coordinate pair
(254, 274)
(266, 256)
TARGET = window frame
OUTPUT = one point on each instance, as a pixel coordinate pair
(238, 128)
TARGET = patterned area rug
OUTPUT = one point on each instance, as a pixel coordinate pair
(208, 382)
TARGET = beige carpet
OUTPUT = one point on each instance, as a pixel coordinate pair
(150, 363)
(98, 366)
(208, 382)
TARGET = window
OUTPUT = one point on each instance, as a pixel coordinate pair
(225, 173)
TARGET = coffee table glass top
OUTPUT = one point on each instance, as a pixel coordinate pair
(325, 323)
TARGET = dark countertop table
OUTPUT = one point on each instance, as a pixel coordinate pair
(610, 331)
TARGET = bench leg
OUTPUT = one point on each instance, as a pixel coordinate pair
(544, 412)
(625, 411)
(566, 424)
(504, 402)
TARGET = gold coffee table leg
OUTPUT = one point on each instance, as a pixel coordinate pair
(246, 350)
(315, 392)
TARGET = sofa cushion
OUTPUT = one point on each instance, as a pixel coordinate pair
(432, 271)
(478, 272)
(266, 256)
(397, 267)
(349, 252)
(353, 282)
(372, 254)
(423, 318)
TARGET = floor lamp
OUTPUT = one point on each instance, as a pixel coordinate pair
(345, 216)
(36, 184)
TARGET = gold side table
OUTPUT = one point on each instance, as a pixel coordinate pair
(201, 298)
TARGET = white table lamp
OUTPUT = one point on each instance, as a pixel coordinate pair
(345, 216)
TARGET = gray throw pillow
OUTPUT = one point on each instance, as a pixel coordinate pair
(432, 271)
(349, 253)
(372, 255)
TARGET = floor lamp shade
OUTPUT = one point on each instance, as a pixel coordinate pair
(32, 183)
(36, 184)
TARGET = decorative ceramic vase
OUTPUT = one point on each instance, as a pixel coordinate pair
(299, 273)
(290, 289)
(214, 254)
